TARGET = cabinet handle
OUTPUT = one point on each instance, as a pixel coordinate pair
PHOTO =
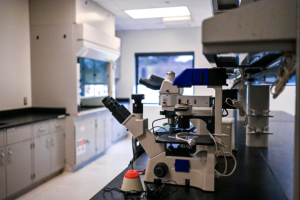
(42, 129)
(9, 156)
(57, 125)
(52, 141)
(48, 143)
(2, 159)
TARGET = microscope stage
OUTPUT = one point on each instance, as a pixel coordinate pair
(200, 140)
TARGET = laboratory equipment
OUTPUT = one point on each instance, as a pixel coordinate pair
(182, 153)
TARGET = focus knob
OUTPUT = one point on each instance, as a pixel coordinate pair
(160, 170)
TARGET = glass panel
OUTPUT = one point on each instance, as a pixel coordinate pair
(100, 73)
(160, 65)
(93, 78)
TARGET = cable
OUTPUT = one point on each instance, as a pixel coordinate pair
(171, 191)
(158, 127)
(110, 190)
(190, 141)
(133, 159)
(285, 72)
(226, 112)
(157, 120)
(235, 84)
(237, 104)
(235, 164)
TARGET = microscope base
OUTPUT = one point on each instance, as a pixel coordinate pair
(200, 172)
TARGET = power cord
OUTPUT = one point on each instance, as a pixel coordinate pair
(166, 131)
(226, 112)
(157, 120)
(224, 154)
(239, 105)
(162, 186)
(286, 70)
(126, 194)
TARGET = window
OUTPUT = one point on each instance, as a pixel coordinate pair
(159, 64)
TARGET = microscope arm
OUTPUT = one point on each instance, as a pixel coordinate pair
(139, 128)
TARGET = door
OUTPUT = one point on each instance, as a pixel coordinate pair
(57, 151)
(108, 129)
(41, 157)
(80, 143)
(2, 174)
(18, 166)
(90, 136)
(100, 139)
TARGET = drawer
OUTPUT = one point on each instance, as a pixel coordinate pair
(2, 141)
(18, 134)
(40, 128)
(56, 125)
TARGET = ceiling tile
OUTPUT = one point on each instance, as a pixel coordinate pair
(196, 10)
(110, 6)
(132, 4)
(168, 3)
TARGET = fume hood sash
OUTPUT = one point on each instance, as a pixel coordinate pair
(94, 44)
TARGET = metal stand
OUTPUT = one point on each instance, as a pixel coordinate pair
(258, 120)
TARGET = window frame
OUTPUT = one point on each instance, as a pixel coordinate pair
(137, 55)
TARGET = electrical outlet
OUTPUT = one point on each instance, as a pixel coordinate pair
(25, 101)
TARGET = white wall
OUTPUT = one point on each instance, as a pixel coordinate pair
(286, 101)
(15, 83)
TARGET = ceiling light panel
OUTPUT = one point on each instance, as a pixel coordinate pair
(158, 12)
(170, 19)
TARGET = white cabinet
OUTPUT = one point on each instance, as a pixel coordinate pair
(49, 149)
(90, 136)
(31, 154)
(57, 151)
(108, 128)
(18, 134)
(94, 133)
(41, 155)
(18, 166)
(40, 128)
(100, 136)
(2, 174)
(80, 142)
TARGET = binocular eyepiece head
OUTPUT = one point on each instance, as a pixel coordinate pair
(110, 103)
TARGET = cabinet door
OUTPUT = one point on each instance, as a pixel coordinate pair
(108, 129)
(100, 139)
(80, 144)
(18, 166)
(2, 174)
(90, 137)
(115, 134)
(57, 151)
(41, 157)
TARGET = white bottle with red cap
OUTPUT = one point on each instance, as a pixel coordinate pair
(132, 182)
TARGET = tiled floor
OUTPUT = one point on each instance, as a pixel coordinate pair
(86, 182)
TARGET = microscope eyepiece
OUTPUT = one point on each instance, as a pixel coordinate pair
(118, 111)
(108, 103)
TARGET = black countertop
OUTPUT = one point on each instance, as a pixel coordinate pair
(258, 175)
(18, 117)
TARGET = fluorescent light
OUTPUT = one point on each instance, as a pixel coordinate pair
(171, 19)
(158, 12)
